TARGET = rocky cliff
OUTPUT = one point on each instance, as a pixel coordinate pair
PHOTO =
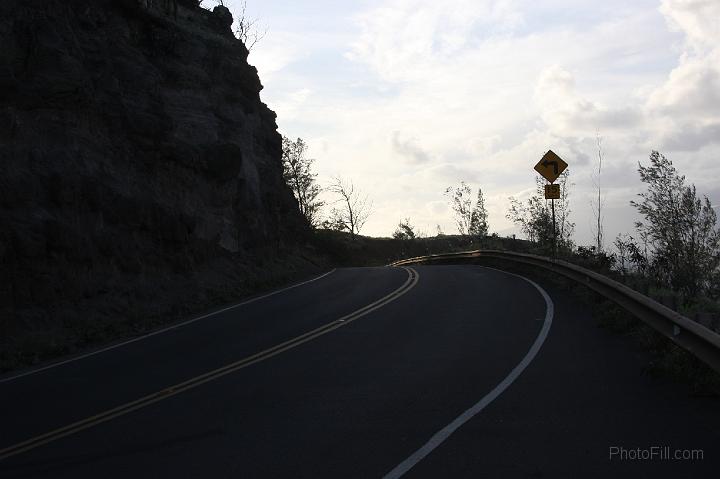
(139, 166)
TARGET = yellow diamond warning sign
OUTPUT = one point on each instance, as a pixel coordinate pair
(551, 166)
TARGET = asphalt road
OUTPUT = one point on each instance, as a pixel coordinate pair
(430, 371)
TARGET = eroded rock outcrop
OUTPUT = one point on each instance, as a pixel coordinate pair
(134, 147)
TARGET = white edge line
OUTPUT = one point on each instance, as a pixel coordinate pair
(159, 331)
(443, 434)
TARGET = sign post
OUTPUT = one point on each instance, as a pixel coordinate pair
(551, 167)
(552, 206)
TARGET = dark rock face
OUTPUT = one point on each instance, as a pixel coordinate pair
(133, 143)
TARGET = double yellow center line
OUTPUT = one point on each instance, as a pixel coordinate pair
(129, 407)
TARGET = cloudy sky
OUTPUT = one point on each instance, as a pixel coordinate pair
(407, 97)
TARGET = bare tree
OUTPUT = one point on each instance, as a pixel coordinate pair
(297, 172)
(565, 227)
(353, 208)
(247, 30)
(598, 202)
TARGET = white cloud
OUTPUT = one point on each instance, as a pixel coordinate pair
(685, 109)
(404, 39)
(566, 113)
(691, 137)
(415, 95)
(277, 52)
(692, 89)
(289, 107)
(684, 112)
(696, 19)
(410, 149)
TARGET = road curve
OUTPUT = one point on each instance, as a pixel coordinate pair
(392, 357)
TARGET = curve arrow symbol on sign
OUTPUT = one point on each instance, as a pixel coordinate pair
(547, 163)
(550, 166)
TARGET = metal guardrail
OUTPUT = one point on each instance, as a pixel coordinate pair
(695, 338)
